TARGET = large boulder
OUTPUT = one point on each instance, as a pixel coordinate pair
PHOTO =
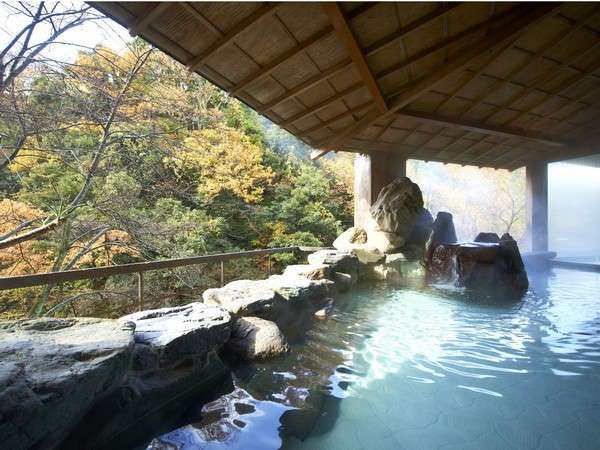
(166, 336)
(494, 267)
(255, 338)
(442, 229)
(52, 371)
(397, 207)
(339, 261)
(246, 298)
(350, 238)
(176, 362)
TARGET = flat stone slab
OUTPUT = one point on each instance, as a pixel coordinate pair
(173, 334)
(246, 298)
(52, 371)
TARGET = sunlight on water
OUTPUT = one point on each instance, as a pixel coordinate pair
(423, 369)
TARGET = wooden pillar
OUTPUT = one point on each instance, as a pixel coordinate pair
(371, 173)
(537, 205)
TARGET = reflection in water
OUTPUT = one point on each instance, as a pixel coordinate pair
(424, 368)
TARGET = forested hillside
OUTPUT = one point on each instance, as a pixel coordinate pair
(126, 156)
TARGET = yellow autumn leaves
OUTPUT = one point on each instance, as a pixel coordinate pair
(220, 160)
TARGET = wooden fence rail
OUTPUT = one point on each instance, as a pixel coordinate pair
(40, 279)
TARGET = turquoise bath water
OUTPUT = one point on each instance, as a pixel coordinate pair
(424, 368)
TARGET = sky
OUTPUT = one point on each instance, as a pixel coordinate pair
(105, 32)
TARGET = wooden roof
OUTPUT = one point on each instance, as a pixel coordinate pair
(490, 84)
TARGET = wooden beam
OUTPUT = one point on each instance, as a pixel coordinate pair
(344, 33)
(371, 50)
(261, 12)
(484, 128)
(300, 48)
(524, 18)
(144, 20)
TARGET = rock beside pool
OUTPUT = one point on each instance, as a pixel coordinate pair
(246, 298)
(496, 267)
(52, 372)
(350, 238)
(397, 207)
(310, 271)
(176, 360)
(343, 281)
(296, 289)
(339, 261)
(255, 338)
(164, 337)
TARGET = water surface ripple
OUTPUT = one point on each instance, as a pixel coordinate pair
(425, 368)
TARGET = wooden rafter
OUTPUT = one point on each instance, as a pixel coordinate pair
(510, 32)
(261, 12)
(144, 20)
(344, 33)
(369, 51)
(302, 47)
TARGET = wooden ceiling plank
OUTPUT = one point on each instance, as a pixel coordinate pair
(197, 15)
(346, 36)
(374, 48)
(484, 128)
(569, 83)
(402, 32)
(306, 85)
(445, 43)
(272, 66)
(502, 83)
(142, 21)
(237, 29)
(325, 103)
(334, 119)
(510, 32)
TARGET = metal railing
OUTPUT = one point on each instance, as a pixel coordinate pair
(138, 268)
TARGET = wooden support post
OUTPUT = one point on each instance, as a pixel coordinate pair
(140, 289)
(269, 265)
(537, 205)
(222, 273)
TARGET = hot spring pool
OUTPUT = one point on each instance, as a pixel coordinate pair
(424, 368)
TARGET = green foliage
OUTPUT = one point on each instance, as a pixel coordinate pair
(188, 171)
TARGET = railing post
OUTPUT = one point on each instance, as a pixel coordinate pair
(269, 265)
(140, 279)
(222, 273)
